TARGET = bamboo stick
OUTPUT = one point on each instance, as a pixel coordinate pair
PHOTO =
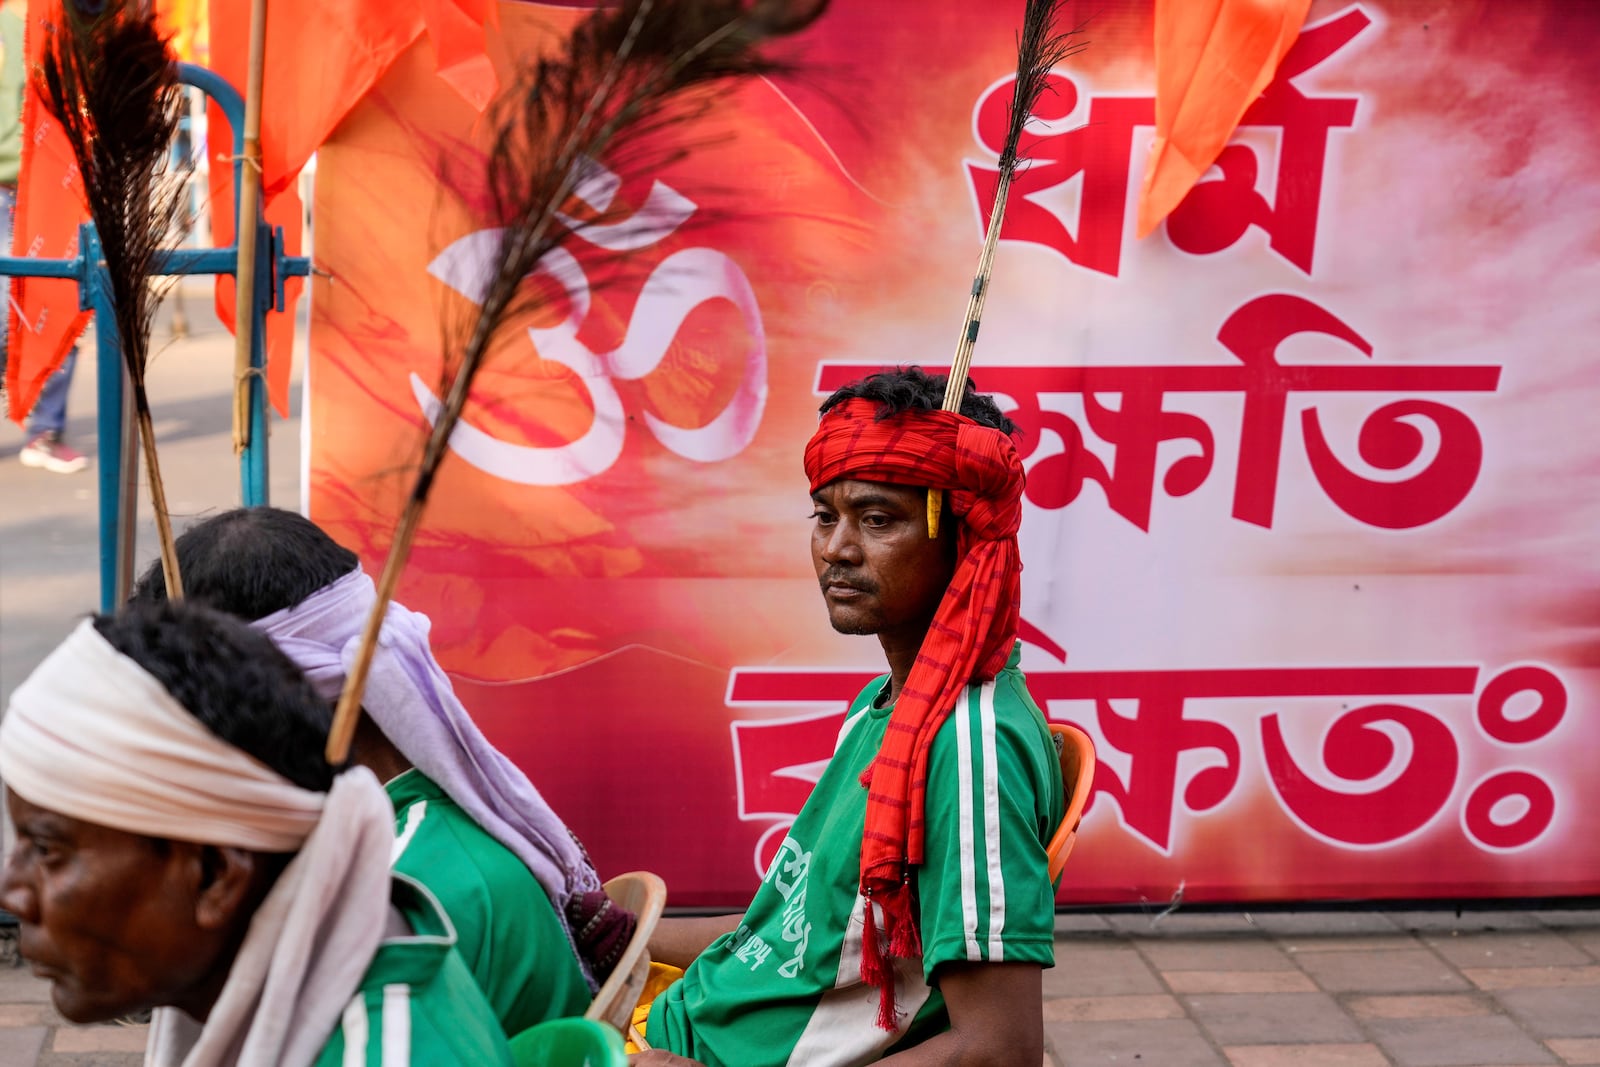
(348, 711)
(956, 384)
(244, 318)
(158, 504)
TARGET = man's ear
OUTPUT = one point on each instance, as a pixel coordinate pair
(228, 883)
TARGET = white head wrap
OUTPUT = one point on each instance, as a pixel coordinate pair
(411, 699)
(92, 736)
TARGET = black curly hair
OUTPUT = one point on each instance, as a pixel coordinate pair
(251, 562)
(233, 679)
(914, 389)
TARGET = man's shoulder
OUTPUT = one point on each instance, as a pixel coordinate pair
(431, 829)
(498, 908)
(410, 786)
(1013, 697)
(1005, 699)
(417, 986)
(480, 882)
(999, 720)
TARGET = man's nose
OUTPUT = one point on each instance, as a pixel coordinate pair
(16, 894)
(842, 545)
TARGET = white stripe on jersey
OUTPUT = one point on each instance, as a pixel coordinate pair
(355, 1032)
(969, 889)
(850, 724)
(414, 816)
(843, 1028)
(397, 1025)
(991, 825)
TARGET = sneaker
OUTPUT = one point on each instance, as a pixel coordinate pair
(47, 450)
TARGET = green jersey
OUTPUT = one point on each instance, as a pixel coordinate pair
(417, 1004)
(507, 930)
(784, 989)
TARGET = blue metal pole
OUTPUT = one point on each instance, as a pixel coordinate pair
(222, 92)
(95, 295)
(171, 261)
(28, 267)
(253, 474)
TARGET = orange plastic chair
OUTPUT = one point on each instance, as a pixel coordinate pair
(645, 895)
(1077, 775)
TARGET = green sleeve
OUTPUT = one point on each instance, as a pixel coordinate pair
(994, 800)
(507, 931)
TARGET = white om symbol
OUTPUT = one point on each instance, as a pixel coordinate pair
(680, 283)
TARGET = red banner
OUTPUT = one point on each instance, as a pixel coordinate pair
(1306, 494)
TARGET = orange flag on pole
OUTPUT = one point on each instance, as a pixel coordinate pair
(45, 319)
(1213, 59)
(321, 59)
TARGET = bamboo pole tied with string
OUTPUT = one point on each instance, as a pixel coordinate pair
(245, 280)
(1040, 47)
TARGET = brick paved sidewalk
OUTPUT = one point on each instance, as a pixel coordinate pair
(1299, 989)
(31, 1033)
(1341, 989)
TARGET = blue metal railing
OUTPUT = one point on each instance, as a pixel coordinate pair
(94, 294)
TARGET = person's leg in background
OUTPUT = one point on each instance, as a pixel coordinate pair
(45, 448)
(8, 202)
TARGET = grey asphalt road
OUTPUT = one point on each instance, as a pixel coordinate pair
(49, 566)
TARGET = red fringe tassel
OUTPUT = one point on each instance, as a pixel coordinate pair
(900, 932)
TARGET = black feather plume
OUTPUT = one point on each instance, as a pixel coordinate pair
(628, 71)
(1040, 47)
(108, 78)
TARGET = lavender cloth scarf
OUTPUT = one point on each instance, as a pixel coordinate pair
(412, 702)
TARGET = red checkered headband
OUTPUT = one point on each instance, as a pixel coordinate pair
(971, 636)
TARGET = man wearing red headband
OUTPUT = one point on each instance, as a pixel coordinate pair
(908, 914)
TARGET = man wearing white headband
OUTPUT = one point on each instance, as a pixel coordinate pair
(468, 823)
(181, 846)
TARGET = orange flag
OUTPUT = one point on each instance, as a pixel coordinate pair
(457, 28)
(1213, 59)
(188, 23)
(321, 59)
(45, 319)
